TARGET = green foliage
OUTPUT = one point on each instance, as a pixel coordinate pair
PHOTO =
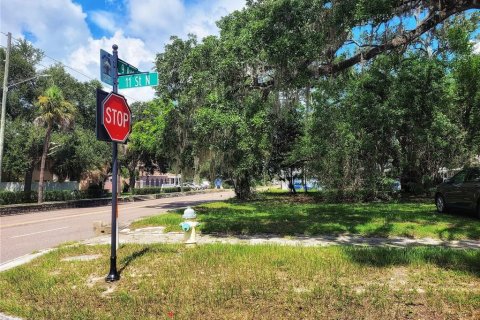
(10, 197)
(80, 94)
(59, 195)
(21, 98)
(149, 127)
(395, 119)
(77, 153)
(148, 190)
(23, 146)
(16, 197)
(54, 112)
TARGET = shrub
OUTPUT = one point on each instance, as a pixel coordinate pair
(150, 190)
(171, 189)
(15, 197)
(12, 197)
(59, 195)
(93, 192)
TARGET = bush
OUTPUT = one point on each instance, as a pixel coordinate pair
(59, 195)
(171, 189)
(150, 190)
(15, 197)
(12, 197)
(414, 188)
(93, 192)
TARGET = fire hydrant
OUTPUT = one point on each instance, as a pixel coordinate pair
(188, 226)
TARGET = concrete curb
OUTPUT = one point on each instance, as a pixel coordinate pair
(16, 209)
(22, 260)
(5, 317)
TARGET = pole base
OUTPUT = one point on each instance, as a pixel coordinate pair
(113, 275)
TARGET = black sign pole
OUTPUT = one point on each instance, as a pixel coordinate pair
(114, 275)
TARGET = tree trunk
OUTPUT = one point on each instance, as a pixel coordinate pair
(304, 180)
(243, 189)
(291, 185)
(181, 181)
(27, 187)
(42, 163)
(131, 180)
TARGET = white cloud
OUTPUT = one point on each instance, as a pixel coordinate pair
(155, 21)
(56, 26)
(59, 27)
(138, 94)
(132, 50)
(104, 19)
(476, 47)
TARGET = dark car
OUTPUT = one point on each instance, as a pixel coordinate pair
(462, 191)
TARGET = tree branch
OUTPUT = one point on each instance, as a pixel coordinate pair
(440, 10)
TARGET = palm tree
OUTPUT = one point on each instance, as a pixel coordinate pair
(55, 111)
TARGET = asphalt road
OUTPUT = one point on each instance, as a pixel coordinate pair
(23, 234)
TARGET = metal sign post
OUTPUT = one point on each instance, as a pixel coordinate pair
(113, 274)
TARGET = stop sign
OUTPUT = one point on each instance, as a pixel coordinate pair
(116, 117)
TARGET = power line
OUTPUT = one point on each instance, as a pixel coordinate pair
(64, 65)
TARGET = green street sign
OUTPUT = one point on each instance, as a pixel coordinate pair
(138, 80)
(125, 68)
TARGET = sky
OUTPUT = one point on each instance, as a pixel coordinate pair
(74, 31)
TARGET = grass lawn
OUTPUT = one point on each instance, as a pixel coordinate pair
(285, 214)
(247, 282)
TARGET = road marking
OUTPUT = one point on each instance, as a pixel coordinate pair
(63, 217)
(31, 234)
(171, 200)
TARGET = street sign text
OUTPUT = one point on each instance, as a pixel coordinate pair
(138, 80)
(116, 117)
(125, 68)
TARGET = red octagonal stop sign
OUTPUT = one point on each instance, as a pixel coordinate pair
(116, 117)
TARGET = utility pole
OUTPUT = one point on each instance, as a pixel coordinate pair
(4, 99)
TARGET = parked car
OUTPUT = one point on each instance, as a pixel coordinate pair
(191, 185)
(462, 191)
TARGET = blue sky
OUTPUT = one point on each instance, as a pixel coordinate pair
(74, 31)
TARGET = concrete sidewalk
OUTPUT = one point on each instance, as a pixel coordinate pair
(157, 235)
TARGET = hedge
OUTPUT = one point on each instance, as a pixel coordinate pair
(14, 197)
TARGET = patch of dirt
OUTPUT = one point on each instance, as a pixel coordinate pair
(398, 277)
(110, 289)
(86, 257)
(93, 279)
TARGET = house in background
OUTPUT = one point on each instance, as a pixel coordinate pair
(158, 179)
(145, 180)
